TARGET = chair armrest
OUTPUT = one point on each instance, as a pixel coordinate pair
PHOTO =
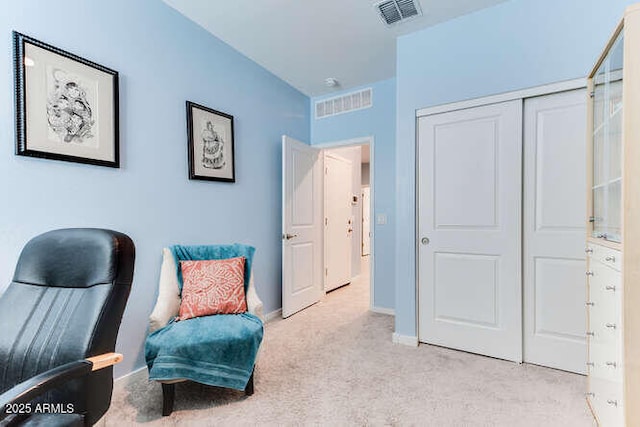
(41, 383)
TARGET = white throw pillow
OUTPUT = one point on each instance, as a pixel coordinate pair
(168, 303)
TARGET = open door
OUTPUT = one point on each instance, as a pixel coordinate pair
(301, 226)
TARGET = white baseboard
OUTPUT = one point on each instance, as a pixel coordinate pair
(121, 382)
(383, 310)
(404, 340)
(273, 315)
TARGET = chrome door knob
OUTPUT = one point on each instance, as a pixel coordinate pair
(424, 240)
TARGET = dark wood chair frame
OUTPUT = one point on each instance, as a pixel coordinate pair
(169, 394)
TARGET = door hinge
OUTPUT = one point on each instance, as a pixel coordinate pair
(326, 271)
(326, 171)
(326, 221)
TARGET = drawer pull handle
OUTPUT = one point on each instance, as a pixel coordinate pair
(610, 258)
(588, 250)
(610, 288)
(589, 273)
(612, 402)
(590, 304)
(591, 364)
(591, 334)
(610, 325)
(612, 364)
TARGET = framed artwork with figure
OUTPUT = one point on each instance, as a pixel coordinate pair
(66, 106)
(210, 144)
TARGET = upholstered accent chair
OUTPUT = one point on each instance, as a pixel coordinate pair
(202, 349)
(59, 319)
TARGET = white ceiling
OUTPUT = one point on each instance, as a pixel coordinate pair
(306, 41)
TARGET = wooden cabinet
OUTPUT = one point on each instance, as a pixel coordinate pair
(613, 228)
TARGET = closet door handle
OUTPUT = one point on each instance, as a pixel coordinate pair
(610, 288)
(610, 325)
(589, 273)
(612, 364)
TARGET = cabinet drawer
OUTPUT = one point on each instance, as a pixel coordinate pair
(606, 363)
(605, 315)
(607, 256)
(606, 401)
(605, 292)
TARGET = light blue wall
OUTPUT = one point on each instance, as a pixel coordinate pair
(163, 60)
(379, 122)
(514, 45)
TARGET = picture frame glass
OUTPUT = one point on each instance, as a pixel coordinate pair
(66, 106)
(211, 144)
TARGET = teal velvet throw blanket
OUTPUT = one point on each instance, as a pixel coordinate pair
(218, 350)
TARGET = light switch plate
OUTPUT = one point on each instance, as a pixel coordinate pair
(381, 219)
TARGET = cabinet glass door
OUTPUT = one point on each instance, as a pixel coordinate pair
(607, 145)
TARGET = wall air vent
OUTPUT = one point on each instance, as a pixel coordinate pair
(395, 11)
(351, 101)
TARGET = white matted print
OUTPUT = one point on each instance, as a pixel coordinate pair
(210, 144)
(66, 106)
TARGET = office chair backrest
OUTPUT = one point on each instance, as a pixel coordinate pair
(65, 303)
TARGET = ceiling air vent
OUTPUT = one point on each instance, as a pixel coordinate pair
(394, 11)
(351, 101)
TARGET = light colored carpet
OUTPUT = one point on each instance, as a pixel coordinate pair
(334, 364)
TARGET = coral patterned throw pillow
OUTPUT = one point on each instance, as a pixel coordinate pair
(212, 287)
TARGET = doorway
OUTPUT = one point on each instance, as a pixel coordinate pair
(304, 223)
(347, 166)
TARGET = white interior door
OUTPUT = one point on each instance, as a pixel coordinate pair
(366, 221)
(301, 226)
(338, 221)
(470, 179)
(554, 232)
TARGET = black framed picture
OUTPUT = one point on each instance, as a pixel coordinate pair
(210, 144)
(66, 106)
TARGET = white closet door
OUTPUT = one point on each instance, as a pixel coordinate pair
(470, 187)
(554, 232)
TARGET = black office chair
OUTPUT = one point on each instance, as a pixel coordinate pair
(59, 319)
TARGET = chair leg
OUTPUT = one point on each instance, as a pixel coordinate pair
(168, 395)
(248, 390)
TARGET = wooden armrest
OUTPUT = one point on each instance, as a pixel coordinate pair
(104, 360)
